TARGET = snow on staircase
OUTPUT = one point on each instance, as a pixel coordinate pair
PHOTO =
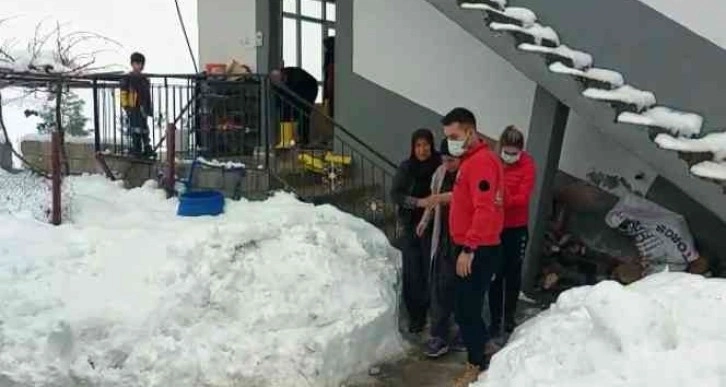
(679, 130)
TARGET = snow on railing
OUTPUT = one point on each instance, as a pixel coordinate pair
(677, 122)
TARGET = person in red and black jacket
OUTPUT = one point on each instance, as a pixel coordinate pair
(476, 218)
(519, 176)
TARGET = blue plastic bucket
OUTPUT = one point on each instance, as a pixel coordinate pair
(200, 203)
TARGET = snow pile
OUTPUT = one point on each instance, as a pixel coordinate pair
(710, 170)
(596, 74)
(665, 330)
(580, 60)
(485, 5)
(625, 94)
(274, 293)
(712, 142)
(537, 31)
(677, 122)
(27, 196)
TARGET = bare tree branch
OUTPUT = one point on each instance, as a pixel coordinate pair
(56, 50)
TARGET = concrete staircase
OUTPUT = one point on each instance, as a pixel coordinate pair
(669, 128)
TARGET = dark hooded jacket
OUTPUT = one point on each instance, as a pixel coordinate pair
(413, 180)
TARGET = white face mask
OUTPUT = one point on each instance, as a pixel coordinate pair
(510, 159)
(456, 147)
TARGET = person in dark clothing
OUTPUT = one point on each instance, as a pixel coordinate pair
(476, 216)
(411, 191)
(136, 102)
(443, 254)
(519, 177)
(305, 86)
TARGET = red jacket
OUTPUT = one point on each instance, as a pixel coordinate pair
(518, 186)
(476, 213)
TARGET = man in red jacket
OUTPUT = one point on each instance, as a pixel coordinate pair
(519, 175)
(476, 217)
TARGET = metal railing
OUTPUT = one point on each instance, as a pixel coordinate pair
(247, 119)
(244, 119)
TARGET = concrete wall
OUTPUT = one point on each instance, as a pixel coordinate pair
(227, 30)
(704, 17)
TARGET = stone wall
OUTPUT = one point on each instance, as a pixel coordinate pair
(81, 159)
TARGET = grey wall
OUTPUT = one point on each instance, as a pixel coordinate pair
(379, 117)
(653, 52)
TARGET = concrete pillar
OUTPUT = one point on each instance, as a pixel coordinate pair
(268, 19)
(6, 156)
(544, 143)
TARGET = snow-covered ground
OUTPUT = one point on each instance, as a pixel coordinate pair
(274, 293)
(666, 330)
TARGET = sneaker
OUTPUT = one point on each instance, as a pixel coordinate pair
(435, 348)
(458, 345)
(468, 376)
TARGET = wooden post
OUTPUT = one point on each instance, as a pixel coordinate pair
(55, 166)
(170, 175)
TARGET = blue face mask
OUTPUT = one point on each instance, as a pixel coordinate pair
(456, 147)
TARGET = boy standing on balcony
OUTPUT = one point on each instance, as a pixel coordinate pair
(136, 102)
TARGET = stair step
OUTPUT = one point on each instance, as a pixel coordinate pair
(593, 77)
(624, 98)
(713, 143)
(674, 121)
(535, 35)
(483, 5)
(711, 170)
(562, 53)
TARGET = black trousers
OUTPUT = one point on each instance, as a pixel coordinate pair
(470, 294)
(508, 281)
(416, 259)
(139, 130)
(443, 288)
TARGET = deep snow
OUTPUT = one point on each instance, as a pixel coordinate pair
(274, 293)
(663, 331)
